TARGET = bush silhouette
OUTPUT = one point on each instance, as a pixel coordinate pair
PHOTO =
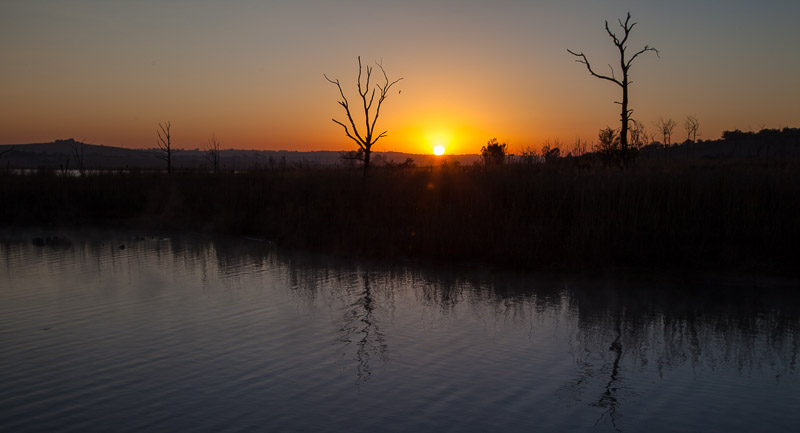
(494, 153)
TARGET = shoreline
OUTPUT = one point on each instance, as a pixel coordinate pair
(124, 239)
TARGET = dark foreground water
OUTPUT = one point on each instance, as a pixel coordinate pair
(194, 334)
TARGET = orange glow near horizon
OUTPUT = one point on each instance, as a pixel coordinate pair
(253, 75)
(438, 141)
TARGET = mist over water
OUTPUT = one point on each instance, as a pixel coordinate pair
(189, 333)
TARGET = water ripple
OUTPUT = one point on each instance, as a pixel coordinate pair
(198, 334)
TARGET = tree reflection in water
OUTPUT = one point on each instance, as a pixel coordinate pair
(361, 328)
(616, 327)
(609, 347)
(629, 330)
(608, 400)
(616, 330)
(358, 301)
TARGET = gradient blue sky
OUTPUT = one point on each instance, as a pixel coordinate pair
(251, 71)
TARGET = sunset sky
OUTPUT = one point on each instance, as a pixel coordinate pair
(250, 72)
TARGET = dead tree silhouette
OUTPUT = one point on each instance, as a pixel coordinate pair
(367, 94)
(165, 145)
(212, 153)
(665, 127)
(638, 134)
(692, 126)
(625, 66)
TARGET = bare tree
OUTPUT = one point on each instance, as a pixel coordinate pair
(665, 127)
(367, 94)
(692, 126)
(79, 155)
(165, 145)
(638, 135)
(212, 153)
(625, 66)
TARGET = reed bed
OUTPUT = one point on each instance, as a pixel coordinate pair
(701, 215)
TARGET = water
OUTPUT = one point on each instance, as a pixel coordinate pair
(230, 335)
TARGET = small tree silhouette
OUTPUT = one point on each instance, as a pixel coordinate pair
(624, 82)
(692, 126)
(212, 153)
(608, 146)
(638, 134)
(165, 145)
(367, 94)
(494, 153)
(666, 127)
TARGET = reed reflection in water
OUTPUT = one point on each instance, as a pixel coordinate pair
(194, 333)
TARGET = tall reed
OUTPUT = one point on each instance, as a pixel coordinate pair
(698, 215)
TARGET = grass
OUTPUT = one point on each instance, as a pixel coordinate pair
(713, 215)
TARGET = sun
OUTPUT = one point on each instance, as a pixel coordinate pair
(438, 150)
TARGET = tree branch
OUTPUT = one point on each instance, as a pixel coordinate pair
(643, 50)
(381, 135)
(384, 91)
(164, 141)
(626, 28)
(585, 61)
(347, 131)
(344, 103)
(368, 133)
(613, 36)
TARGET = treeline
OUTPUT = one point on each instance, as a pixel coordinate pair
(766, 143)
(71, 154)
(563, 214)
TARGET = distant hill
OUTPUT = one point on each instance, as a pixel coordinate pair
(59, 154)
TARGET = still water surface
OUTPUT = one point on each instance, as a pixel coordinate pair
(228, 335)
